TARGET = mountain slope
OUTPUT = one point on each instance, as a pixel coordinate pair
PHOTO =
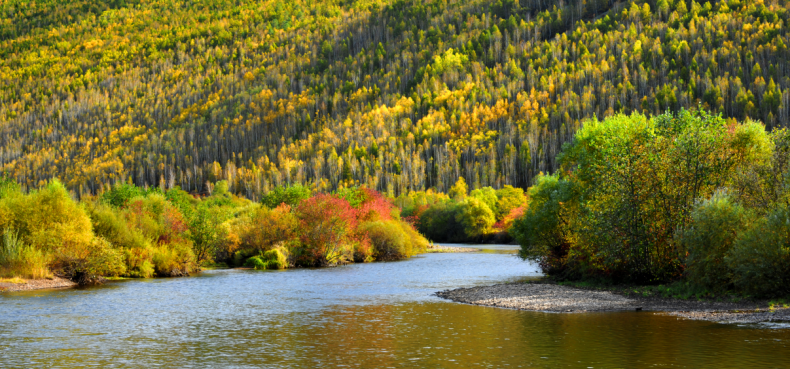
(396, 95)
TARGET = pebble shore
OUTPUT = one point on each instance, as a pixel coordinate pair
(437, 248)
(556, 298)
(37, 284)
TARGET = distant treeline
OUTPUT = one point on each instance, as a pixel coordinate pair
(396, 95)
(687, 196)
(130, 231)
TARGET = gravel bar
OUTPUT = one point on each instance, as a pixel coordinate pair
(563, 299)
(438, 248)
(37, 284)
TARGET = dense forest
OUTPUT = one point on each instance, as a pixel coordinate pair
(398, 96)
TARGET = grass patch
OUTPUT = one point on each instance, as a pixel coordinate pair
(20, 260)
(15, 280)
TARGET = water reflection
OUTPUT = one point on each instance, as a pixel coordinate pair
(372, 315)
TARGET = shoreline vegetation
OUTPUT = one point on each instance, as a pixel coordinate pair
(17, 284)
(135, 232)
(686, 197)
(142, 232)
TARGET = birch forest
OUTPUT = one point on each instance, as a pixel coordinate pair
(397, 96)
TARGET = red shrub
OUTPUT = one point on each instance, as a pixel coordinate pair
(374, 207)
(173, 225)
(327, 226)
(508, 220)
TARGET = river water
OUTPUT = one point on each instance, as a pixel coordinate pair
(375, 315)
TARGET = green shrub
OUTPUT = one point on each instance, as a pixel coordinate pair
(173, 260)
(624, 188)
(138, 263)
(105, 260)
(240, 257)
(120, 194)
(544, 231)
(51, 221)
(760, 259)
(275, 259)
(488, 196)
(714, 227)
(508, 199)
(204, 231)
(110, 224)
(475, 216)
(257, 262)
(438, 222)
(291, 195)
(389, 240)
(88, 266)
(415, 202)
(271, 259)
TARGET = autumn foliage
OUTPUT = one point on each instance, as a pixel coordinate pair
(396, 95)
(323, 230)
(327, 230)
(687, 196)
(134, 232)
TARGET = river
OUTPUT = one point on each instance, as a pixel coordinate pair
(374, 315)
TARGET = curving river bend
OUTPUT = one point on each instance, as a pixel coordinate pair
(374, 315)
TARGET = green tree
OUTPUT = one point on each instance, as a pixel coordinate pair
(459, 190)
(508, 198)
(488, 196)
(475, 217)
(290, 195)
(545, 232)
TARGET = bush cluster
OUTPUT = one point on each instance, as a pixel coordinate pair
(733, 248)
(679, 196)
(463, 216)
(352, 225)
(136, 232)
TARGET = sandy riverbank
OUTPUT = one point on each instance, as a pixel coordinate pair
(555, 298)
(36, 284)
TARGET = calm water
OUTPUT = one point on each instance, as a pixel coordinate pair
(366, 315)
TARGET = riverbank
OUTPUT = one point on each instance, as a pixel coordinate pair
(552, 297)
(19, 284)
(15, 285)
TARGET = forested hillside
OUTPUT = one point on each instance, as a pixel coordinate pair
(397, 95)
